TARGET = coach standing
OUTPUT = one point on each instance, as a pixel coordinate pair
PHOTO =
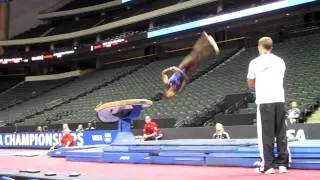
(266, 74)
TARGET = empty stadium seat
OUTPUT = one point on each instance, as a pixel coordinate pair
(144, 83)
(64, 93)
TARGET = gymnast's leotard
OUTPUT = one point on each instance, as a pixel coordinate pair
(176, 79)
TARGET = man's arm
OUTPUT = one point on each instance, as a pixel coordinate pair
(145, 136)
(155, 129)
(251, 83)
(251, 77)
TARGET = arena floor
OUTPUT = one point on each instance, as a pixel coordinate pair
(10, 160)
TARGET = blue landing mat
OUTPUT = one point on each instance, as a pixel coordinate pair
(222, 161)
(240, 152)
(62, 152)
(256, 155)
(87, 155)
(194, 142)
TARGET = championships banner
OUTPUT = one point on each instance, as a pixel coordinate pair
(48, 139)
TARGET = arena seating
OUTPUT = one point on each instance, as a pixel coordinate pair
(143, 83)
(88, 21)
(75, 25)
(302, 80)
(34, 32)
(9, 81)
(201, 96)
(315, 118)
(62, 94)
(26, 90)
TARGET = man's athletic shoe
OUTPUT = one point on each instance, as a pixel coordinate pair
(269, 171)
(283, 169)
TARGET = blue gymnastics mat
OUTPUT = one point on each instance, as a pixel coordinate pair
(236, 152)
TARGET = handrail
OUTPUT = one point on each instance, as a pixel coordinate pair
(190, 47)
(138, 18)
(301, 24)
(129, 59)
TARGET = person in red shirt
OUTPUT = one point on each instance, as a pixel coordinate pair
(67, 139)
(151, 130)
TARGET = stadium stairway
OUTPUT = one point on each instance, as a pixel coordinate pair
(225, 109)
(315, 117)
(8, 82)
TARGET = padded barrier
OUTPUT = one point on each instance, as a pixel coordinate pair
(222, 161)
(62, 152)
(177, 160)
(244, 153)
(195, 142)
(126, 157)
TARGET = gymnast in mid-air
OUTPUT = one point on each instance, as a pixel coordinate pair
(189, 65)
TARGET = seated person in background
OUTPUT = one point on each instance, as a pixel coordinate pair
(151, 130)
(294, 113)
(90, 127)
(39, 129)
(67, 139)
(220, 133)
(45, 129)
(80, 128)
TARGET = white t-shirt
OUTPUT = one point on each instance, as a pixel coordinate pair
(268, 71)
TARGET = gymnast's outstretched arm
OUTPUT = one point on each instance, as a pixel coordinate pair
(165, 78)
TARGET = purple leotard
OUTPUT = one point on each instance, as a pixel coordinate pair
(176, 79)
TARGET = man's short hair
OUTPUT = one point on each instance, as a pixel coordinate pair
(266, 43)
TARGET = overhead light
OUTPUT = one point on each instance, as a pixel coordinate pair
(113, 42)
(228, 16)
(96, 46)
(48, 56)
(12, 60)
(37, 58)
(60, 54)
